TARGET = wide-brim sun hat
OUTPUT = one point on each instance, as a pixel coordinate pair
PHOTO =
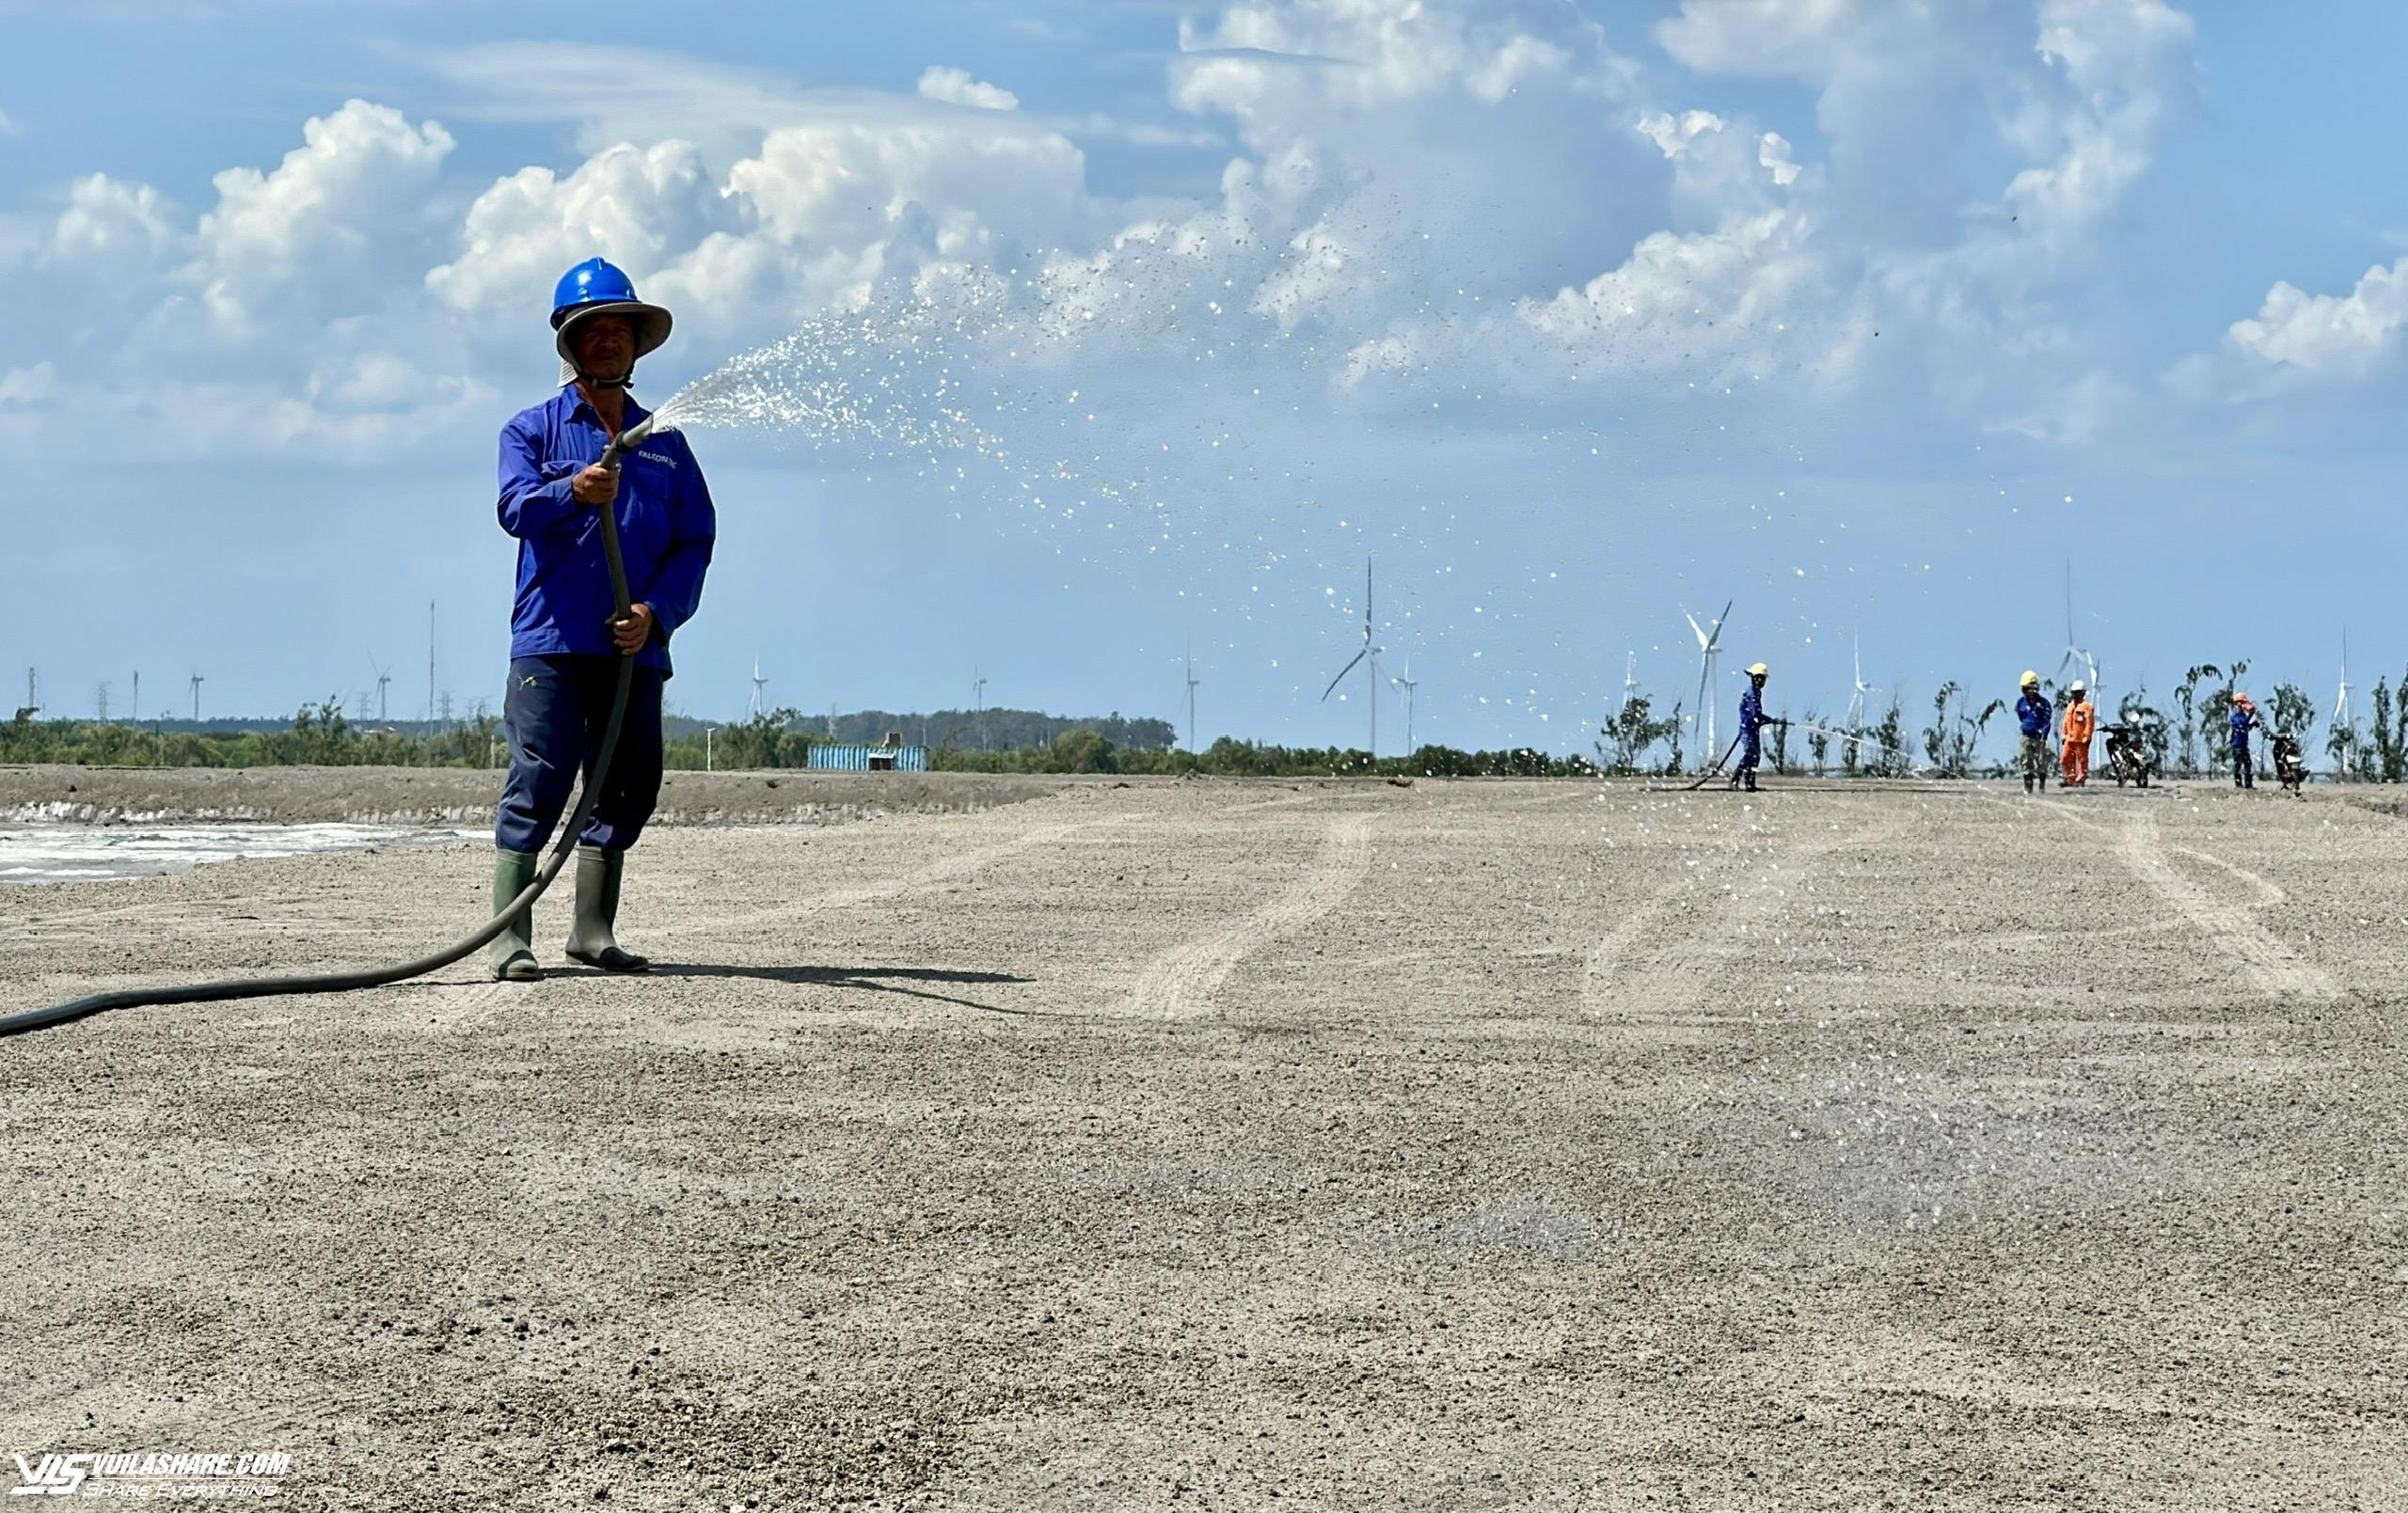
(596, 288)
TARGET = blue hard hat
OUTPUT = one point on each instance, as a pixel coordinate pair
(594, 286)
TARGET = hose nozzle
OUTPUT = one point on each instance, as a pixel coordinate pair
(628, 441)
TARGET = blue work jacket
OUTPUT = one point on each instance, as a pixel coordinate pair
(1752, 710)
(665, 530)
(2034, 714)
(2243, 721)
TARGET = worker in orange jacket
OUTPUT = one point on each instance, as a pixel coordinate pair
(2081, 721)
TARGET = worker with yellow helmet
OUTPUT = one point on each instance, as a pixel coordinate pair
(1751, 723)
(2034, 714)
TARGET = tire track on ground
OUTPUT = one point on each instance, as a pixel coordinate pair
(2278, 969)
(948, 869)
(1628, 981)
(1181, 983)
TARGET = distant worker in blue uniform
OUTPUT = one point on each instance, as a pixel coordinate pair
(2034, 716)
(566, 638)
(1752, 721)
(2244, 720)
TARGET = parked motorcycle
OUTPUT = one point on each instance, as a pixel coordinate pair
(2128, 755)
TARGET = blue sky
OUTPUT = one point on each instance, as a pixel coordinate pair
(1870, 317)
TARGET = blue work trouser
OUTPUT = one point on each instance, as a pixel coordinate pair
(557, 709)
(1752, 750)
(2244, 772)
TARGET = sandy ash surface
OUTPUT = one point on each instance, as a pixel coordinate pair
(464, 796)
(1463, 1145)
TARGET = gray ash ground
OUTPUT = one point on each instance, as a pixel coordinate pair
(1463, 1146)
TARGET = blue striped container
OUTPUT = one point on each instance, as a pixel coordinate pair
(833, 758)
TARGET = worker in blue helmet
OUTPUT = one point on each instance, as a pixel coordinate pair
(566, 638)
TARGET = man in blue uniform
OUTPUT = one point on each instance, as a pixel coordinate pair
(2034, 715)
(566, 639)
(1751, 724)
(2244, 720)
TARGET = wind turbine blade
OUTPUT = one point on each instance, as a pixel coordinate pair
(1341, 675)
(1717, 625)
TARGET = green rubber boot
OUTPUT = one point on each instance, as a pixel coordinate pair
(591, 939)
(513, 950)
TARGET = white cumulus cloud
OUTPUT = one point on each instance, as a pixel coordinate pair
(641, 207)
(107, 220)
(334, 204)
(2329, 335)
(955, 87)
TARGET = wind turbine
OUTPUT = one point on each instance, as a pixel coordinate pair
(2075, 656)
(2341, 703)
(759, 683)
(1629, 678)
(1191, 685)
(1370, 654)
(1709, 648)
(197, 681)
(1408, 683)
(384, 677)
(1855, 698)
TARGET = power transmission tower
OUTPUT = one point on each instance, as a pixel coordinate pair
(103, 702)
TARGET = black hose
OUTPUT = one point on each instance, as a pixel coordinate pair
(17, 1024)
(1708, 776)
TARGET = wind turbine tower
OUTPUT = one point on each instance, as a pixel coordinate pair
(1709, 647)
(1855, 699)
(759, 683)
(197, 681)
(2076, 659)
(1408, 683)
(1191, 685)
(2341, 702)
(1368, 653)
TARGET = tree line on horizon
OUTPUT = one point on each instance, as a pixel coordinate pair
(2185, 738)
